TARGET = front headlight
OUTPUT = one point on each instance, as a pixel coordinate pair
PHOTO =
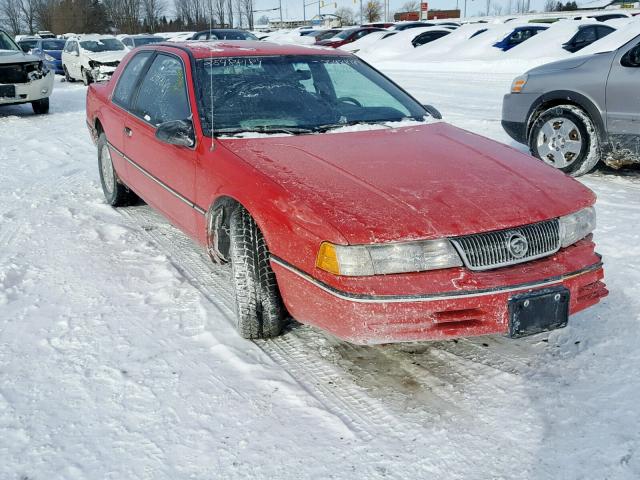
(49, 58)
(577, 225)
(382, 259)
(518, 83)
(94, 64)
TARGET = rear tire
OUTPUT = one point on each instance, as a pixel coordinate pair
(565, 138)
(260, 312)
(40, 107)
(115, 192)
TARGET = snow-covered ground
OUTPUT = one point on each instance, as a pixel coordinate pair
(118, 359)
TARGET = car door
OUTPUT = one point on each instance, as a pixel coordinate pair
(622, 100)
(163, 173)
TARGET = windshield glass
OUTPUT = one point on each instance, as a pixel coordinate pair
(138, 42)
(6, 43)
(27, 45)
(232, 35)
(53, 44)
(296, 94)
(102, 45)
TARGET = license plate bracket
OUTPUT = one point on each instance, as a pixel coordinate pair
(538, 311)
(7, 91)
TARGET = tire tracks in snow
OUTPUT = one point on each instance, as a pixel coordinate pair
(362, 414)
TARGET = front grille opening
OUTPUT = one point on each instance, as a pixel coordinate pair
(485, 251)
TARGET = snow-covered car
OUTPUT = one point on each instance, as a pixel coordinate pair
(133, 41)
(338, 199)
(402, 43)
(92, 58)
(23, 78)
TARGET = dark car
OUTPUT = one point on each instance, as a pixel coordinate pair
(320, 35)
(348, 36)
(407, 25)
(224, 34)
(50, 50)
(586, 35)
(28, 44)
(519, 35)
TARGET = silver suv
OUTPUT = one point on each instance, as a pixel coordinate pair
(576, 112)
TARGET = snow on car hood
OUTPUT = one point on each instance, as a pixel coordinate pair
(106, 57)
(11, 56)
(417, 182)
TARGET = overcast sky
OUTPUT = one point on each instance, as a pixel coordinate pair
(292, 9)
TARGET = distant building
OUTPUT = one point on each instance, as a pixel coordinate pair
(431, 15)
(606, 4)
(277, 24)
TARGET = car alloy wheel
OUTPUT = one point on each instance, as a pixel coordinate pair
(559, 142)
(115, 192)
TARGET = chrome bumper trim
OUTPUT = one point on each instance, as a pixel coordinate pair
(362, 298)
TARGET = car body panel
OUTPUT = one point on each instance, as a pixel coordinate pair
(347, 189)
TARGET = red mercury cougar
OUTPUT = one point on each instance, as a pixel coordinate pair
(339, 199)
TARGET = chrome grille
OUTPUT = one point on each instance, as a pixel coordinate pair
(485, 251)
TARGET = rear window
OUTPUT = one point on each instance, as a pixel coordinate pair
(53, 44)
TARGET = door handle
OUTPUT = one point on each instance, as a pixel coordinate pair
(128, 132)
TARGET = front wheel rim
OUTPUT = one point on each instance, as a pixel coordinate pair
(106, 167)
(559, 142)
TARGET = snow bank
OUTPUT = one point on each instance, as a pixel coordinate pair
(364, 42)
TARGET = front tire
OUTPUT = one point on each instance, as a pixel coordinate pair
(87, 79)
(116, 193)
(67, 77)
(566, 138)
(40, 107)
(260, 312)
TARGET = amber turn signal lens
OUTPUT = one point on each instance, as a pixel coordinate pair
(328, 258)
(518, 84)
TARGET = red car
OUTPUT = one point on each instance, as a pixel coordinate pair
(348, 36)
(338, 199)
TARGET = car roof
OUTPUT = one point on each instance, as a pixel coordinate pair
(246, 48)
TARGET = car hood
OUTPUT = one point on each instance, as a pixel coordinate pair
(567, 64)
(7, 56)
(421, 182)
(106, 57)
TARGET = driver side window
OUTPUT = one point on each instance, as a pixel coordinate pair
(162, 96)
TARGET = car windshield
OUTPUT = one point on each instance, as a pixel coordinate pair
(296, 94)
(6, 43)
(102, 45)
(53, 44)
(232, 35)
(138, 42)
(27, 45)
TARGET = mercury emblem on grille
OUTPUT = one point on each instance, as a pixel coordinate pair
(517, 244)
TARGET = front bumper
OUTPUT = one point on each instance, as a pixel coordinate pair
(516, 108)
(439, 304)
(55, 66)
(31, 91)
(102, 73)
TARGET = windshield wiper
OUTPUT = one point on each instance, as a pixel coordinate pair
(264, 129)
(382, 123)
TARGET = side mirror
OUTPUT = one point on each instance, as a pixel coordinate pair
(433, 111)
(177, 132)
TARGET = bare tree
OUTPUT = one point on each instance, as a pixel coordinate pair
(45, 10)
(496, 9)
(10, 10)
(124, 14)
(549, 6)
(373, 10)
(410, 6)
(488, 9)
(346, 15)
(153, 10)
(230, 12)
(28, 11)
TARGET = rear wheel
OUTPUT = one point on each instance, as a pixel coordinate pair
(565, 137)
(41, 106)
(115, 192)
(259, 309)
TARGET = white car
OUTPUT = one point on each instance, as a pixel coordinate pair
(23, 78)
(92, 58)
